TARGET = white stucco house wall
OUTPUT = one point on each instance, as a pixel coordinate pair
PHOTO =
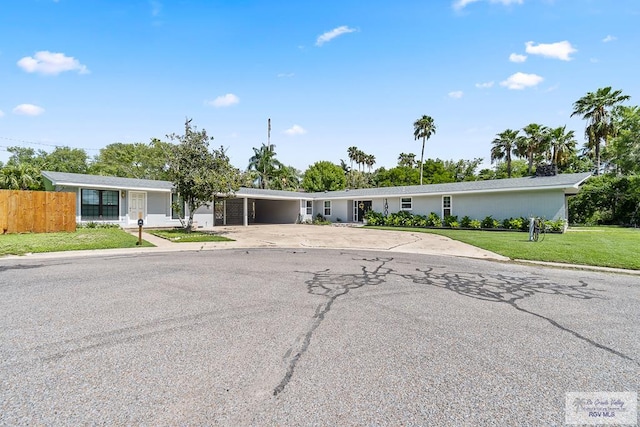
(125, 200)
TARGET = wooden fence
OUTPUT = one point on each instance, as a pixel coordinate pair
(37, 211)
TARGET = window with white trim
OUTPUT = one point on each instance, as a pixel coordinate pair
(406, 203)
(327, 208)
(309, 207)
(446, 206)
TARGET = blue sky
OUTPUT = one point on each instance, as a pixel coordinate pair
(330, 74)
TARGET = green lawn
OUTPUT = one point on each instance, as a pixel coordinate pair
(82, 239)
(599, 246)
(180, 236)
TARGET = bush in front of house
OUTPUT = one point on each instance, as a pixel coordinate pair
(490, 222)
(449, 219)
(433, 220)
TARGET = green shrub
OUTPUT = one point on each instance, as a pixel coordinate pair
(374, 218)
(454, 224)
(474, 223)
(556, 226)
(320, 220)
(512, 224)
(448, 219)
(94, 224)
(465, 222)
(433, 220)
(419, 221)
(490, 222)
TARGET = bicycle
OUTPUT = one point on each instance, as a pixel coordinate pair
(539, 227)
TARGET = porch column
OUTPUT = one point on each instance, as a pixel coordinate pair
(245, 211)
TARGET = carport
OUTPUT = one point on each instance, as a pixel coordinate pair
(257, 206)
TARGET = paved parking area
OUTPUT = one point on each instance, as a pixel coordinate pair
(302, 336)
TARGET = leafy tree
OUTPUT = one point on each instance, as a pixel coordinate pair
(25, 155)
(423, 128)
(463, 170)
(324, 176)
(398, 176)
(197, 173)
(607, 199)
(133, 160)
(436, 172)
(66, 159)
(624, 150)
(504, 145)
(596, 108)
(352, 152)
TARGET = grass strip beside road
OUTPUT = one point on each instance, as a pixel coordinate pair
(81, 239)
(615, 247)
(181, 236)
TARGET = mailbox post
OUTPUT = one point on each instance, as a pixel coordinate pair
(140, 224)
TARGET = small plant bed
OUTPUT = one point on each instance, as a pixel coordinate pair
(84, 238)
(179, 235)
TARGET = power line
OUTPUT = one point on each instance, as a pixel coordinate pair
(44, 144)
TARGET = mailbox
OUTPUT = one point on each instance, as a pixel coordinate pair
(140, 222)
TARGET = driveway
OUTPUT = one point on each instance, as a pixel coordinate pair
(334, 237)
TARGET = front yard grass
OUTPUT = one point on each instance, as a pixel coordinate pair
(81, 239)
(181, 236)
(599, 246)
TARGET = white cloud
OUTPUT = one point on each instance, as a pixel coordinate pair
(485, 85)
(609, 38)
(457, 94)
(28, 110)
(295, 130)
(520, 81)
(461, 4)
(224, 100)
(45, 62)
(560, 50)
(514, 57)
(330, 35)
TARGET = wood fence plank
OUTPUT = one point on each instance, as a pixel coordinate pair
(37, 211)
(4, 211)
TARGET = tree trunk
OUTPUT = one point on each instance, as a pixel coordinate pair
(422, 160)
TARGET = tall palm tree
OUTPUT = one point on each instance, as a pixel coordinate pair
(596, 108)
(423, 128)
(370, 160)
(504, 145)
(562, 145)
(352, 152)
(534, 143)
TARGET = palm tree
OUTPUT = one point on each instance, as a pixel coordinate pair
(21, 176)
(406, 160)
(504, 145)
(370, 160)
(534, 144)
(352, 152)
(264, 163)
(423, 128)
(562, 145)
(596, 108)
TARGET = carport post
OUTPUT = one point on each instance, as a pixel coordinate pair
(245, 211)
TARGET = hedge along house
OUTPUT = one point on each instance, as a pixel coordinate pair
(124, 200)
(541, 196)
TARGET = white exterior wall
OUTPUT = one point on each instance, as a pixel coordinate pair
(547, 204)
(203, 216)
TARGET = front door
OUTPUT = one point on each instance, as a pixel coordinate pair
(137, 206)
(361, 207)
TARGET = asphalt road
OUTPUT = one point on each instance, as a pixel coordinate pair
(308, 337)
